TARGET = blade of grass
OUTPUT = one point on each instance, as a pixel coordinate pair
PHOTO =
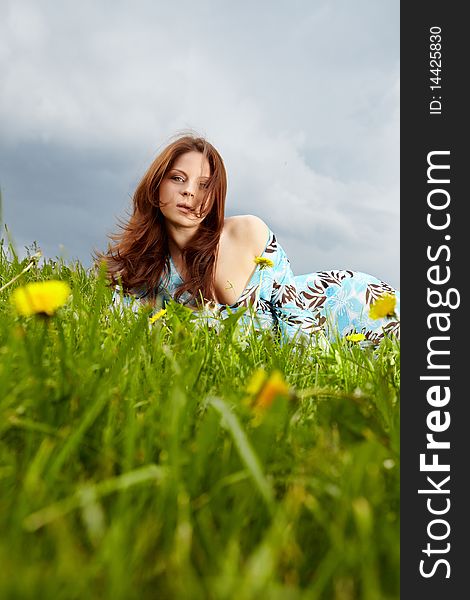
(90, 493)
(245, 450)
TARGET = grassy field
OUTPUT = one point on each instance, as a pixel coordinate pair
(177, 461)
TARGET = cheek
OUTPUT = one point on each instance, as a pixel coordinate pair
(208, 204)
(164, 193)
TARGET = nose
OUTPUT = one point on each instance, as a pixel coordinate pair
(189, 191)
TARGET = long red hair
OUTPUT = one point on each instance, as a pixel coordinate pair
(140, 254)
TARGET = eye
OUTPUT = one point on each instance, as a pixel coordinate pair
(178, 178)
(204, 185)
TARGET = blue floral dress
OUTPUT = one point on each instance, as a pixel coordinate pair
(323, 304)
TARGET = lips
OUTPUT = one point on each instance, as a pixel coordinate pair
(186, 206)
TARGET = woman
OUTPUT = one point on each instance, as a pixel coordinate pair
(178, 244)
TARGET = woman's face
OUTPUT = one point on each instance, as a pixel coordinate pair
(182, 189)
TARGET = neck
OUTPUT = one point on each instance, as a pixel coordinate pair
(179, 238)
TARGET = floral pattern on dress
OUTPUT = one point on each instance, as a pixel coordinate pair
(331, 303)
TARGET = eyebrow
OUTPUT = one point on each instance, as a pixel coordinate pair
(184, 173)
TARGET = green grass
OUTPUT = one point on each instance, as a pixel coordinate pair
(132, 464)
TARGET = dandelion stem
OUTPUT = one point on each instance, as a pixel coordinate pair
(34, 259)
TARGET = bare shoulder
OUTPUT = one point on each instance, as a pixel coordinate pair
(248, 230)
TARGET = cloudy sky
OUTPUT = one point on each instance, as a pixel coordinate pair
(301, 98)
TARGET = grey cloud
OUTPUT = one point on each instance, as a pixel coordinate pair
(302, 100)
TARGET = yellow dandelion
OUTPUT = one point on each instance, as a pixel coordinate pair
(41, 297)
(383, 307)
(256, 382)
(157, 315)
(263, 262)
(356, 337)
(274, 386)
